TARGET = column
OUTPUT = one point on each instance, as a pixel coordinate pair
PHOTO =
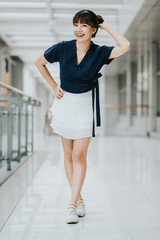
(128, 90)
(139, 80)
(152, 87)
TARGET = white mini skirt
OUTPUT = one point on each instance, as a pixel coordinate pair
(72, 115)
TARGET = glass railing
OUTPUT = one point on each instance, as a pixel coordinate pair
(16, 124)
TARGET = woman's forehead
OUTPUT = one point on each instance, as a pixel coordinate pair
(81, 21)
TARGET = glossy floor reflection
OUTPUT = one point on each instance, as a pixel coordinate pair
(121, 192)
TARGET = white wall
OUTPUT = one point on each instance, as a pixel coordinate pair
(109, 95)
(28, 81)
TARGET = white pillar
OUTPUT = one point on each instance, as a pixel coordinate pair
(152, 87)
(1, 66)
(139, 81)
(145, 86)
(128, 90)
(28, 80)
(1, 61)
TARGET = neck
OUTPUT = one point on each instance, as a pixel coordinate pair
(83, 46)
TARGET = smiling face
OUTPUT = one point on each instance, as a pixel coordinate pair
(83, 31)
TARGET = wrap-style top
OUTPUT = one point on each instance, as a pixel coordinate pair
(82, 77)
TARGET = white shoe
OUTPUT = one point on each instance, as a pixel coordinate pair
(71, 214)
(80, 208)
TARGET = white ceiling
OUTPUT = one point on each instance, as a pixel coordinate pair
(29, 27)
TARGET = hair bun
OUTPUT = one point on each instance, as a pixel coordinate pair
(99, 19)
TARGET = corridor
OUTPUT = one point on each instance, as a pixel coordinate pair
(121, 192)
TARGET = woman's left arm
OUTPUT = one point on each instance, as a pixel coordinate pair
(123, 44)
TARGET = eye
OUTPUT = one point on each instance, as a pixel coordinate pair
(84, 25)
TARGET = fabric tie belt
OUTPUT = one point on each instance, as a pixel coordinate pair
(95, 84)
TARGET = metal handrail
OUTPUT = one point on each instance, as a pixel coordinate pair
(13, 89)
(20, 99)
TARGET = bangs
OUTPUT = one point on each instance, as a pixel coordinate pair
(83, 17)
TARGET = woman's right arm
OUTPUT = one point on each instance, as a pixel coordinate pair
(41, 65)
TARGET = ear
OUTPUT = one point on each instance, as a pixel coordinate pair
(94, 30)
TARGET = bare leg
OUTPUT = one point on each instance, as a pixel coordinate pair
(79, 157)
(68, 163)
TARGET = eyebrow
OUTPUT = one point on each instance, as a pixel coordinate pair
(81, 23)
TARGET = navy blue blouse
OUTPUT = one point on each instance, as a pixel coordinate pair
(82, 77)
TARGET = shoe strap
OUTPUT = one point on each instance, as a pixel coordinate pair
(72, 205)
(80, 200)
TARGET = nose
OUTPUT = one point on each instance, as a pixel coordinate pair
(79, 27)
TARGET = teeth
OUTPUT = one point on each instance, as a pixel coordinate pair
(80, 35)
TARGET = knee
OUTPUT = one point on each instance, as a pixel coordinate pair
(68, 156)
(78, 157)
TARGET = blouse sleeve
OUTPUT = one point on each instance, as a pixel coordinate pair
(52, 54)
(106, 51)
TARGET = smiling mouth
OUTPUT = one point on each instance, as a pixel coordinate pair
(79, 35)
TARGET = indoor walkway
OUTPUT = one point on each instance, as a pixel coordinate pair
(121, 192)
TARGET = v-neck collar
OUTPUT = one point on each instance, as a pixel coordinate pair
(75, 51)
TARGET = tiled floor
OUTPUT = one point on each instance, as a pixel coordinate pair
(121, 193)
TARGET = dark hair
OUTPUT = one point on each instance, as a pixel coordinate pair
(88, 17)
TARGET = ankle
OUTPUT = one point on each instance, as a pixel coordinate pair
(80, 197)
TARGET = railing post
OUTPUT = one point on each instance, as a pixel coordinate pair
(9, 123)
(20, 102)
(32, 116)
(26, 129)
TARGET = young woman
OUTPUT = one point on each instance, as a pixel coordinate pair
(73, 107)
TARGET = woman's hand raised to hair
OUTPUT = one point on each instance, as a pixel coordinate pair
(58, 91)
(103, 25)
